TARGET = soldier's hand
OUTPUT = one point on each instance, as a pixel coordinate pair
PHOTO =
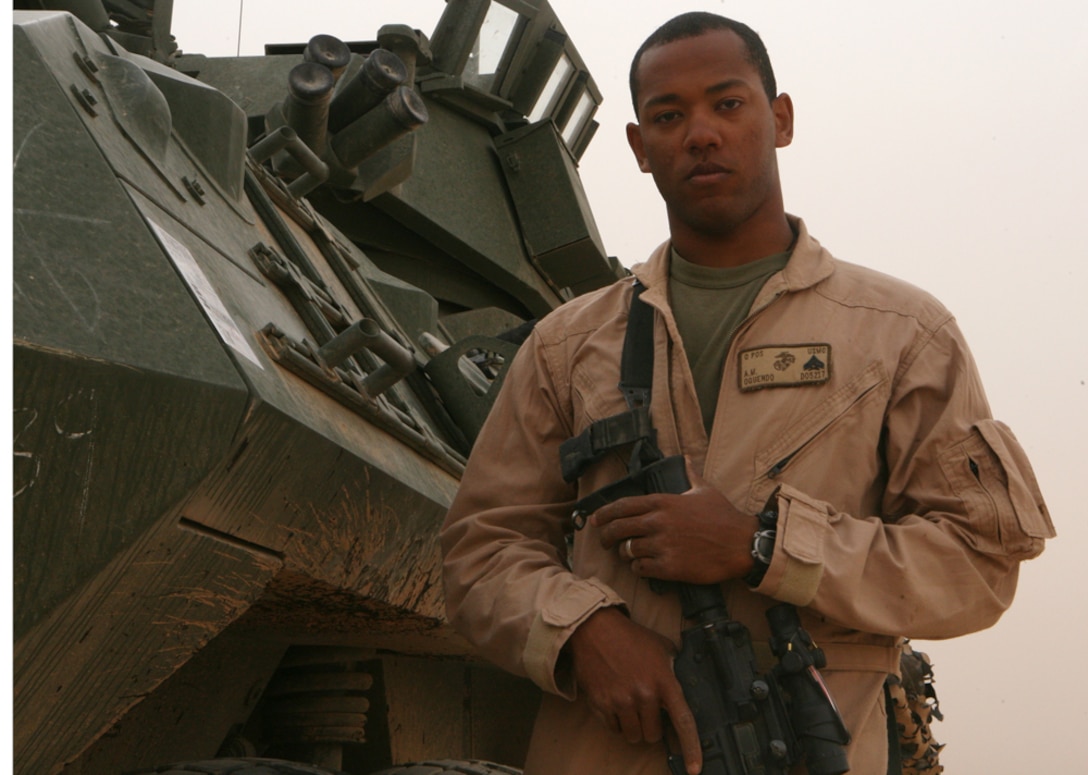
(625, 672)
(697, 537)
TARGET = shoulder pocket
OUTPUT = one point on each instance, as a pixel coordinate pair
(990, 473)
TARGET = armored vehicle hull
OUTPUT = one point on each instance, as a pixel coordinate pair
(260, 307)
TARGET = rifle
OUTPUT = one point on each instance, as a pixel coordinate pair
(749, 723)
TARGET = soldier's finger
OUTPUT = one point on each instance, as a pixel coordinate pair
(652, 727)
(630, 725)
(609, 720)
(620, 530)
(683, 723)
(622, 508)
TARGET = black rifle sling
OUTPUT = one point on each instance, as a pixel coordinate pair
(637, 363)
(648, 469)
(633, 426)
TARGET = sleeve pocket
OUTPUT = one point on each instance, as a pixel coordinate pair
(990, 472)
(577, 604)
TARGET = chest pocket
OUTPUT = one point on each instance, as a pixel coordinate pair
(825, 431)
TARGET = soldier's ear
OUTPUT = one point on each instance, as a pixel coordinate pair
(783, 120)
(634, 139)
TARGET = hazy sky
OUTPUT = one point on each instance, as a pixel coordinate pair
(942, 142)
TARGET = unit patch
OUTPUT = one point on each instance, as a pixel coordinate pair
(784, 366)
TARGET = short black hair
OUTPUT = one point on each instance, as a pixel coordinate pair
(696, 23)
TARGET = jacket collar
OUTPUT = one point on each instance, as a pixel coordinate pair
(809, 264)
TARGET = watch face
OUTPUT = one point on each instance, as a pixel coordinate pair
(763, 547)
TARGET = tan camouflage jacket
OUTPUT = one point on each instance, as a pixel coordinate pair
(904, 508)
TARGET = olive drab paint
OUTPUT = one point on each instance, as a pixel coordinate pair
(259, 311)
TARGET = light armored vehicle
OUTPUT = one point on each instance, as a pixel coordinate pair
(260, 308)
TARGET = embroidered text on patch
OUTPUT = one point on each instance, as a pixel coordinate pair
(784, 366)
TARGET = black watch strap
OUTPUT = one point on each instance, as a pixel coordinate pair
(763, 546)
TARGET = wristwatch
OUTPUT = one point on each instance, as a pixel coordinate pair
(763, 546)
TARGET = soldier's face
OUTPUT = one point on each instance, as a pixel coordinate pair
(707, 132)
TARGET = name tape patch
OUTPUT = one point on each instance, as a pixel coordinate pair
(784, 366)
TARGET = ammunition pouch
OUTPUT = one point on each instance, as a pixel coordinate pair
(912, 704)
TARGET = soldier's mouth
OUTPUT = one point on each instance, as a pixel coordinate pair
(706, 172)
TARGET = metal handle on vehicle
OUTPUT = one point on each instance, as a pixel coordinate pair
(366, 334)
(286, 139)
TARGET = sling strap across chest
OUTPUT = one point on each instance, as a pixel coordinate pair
(648, 469)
